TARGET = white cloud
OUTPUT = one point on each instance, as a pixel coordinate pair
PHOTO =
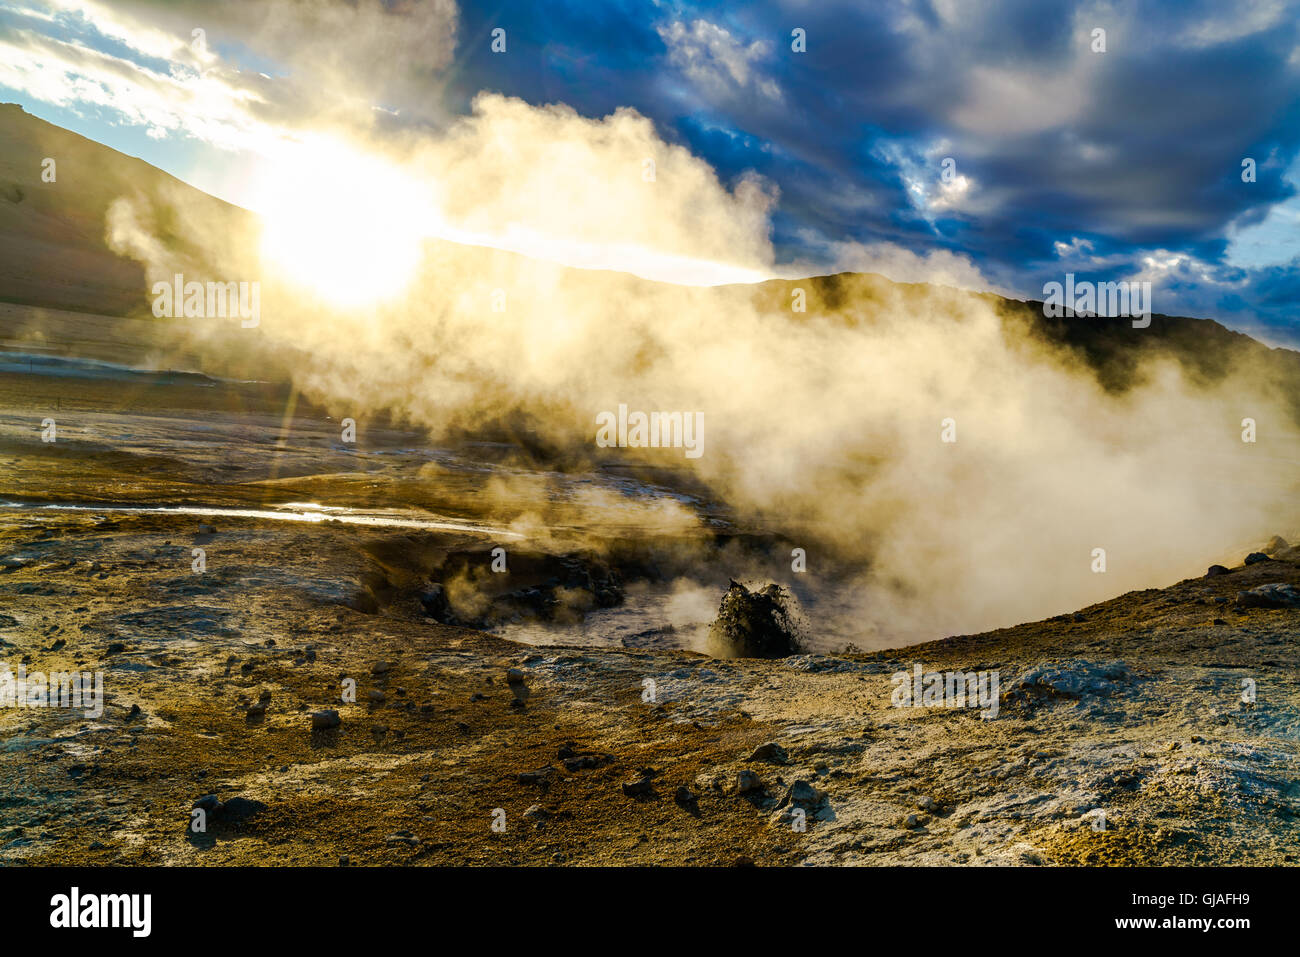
(715, 60)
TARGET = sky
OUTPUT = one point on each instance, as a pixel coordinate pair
(989, 145)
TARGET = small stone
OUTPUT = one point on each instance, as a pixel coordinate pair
(540, 776)
(1254, 558)
(638, 788)
(514, 677)
(925, 802)
(1216, 570)
(770, 752)
(377, 696)
(747, 782)
(324, 720)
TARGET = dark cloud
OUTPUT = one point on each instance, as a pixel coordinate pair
(1136, 150)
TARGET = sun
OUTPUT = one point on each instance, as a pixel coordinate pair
(346, 226)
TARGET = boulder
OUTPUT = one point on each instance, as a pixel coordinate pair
(754, 624)
(1275, 595)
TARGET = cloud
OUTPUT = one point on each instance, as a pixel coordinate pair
(717, 62)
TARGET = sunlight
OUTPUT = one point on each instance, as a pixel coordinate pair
(346, 226)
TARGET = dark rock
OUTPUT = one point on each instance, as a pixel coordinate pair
(638, 788)
(802, 794)
(1216, 570)
(754, 624)
(435, 605)
(1254, 558)
(540, 776)
(770, 752)
(324, 720)
(747, 782)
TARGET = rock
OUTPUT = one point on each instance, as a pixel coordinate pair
(925, 803)
(324, 720)
(381, 668)
(435, 605)
(754, 624)
(207, 529)
(402, 837)
(1216, 570)
(115, 648)
(514, 676)
(1076, 679)
(235, 811)
(747, 782)
(583, 762)
(238, 809)
(1276, 595)
(540, 776)
(1254, 558)
(638, 788)
(802, 794)
(770, 752)
(686, 798)
(536, 813)
(377, 696)
(911, 821)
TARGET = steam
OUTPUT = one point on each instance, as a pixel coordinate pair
(824, 426)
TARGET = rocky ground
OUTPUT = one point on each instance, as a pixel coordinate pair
(1122, 734)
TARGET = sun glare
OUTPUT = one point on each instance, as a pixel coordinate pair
(347, 227)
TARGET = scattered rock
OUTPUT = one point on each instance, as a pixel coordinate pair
(1216, 570)
(687, 799)
(324, 720)
(1076, 679)
(1276, 595)
(747, 782)
(770, 752)
(541, 776)
(641, 787)
(802, 794)
(1254, 558)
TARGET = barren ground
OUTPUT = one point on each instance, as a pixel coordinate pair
(1184, 770)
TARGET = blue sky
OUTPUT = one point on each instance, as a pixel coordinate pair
(1117, 164)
